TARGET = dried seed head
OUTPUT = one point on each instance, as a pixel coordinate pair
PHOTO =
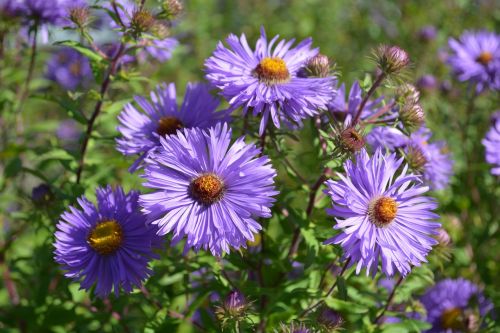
(391, 59)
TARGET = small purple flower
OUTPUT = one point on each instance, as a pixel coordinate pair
(427, 33)
(69, 131)
(427, 82)
(476, 58)
(492, 145)
(208, 191)
(382, 215)
(455, 306)
(341, 105)
(432, 158)
(265, 80)
(386, 137)
(141, 131)
(70, 69)
(109, 246)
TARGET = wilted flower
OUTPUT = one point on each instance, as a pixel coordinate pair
(492, 145)
(382, 215)
(391, 59)
(142, 130)
(265, 81)
(109, 246)
(70, 69)
(455, 306)
(42, 195)
(476, 58)
(208, 191)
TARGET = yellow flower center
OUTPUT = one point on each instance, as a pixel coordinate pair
(484, 58)
(75, 68)
(451, 318)
(168, 126)
(382, 211)
(207, 188)
(272, 70)
(106, 237)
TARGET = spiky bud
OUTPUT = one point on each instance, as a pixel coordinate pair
(295, 327)
(443, 237)
(330, 319)
(142, 21)
(415, 158)
(172, 8)
(412, 116)
(160, 30)
(407, 94)
(319, 66)
(42, 195)
(391, 59)
(234, 308)
(80, 16)
(351, 139)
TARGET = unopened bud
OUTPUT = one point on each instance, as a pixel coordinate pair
(142, 21)
(330, 319)
(319, 66)
(172, 8)
(80, 16)
(351, 140)
(391, 59)
(412, 116)
(443, 237)
(234, 307)
(415, 158)
(472, 323)
(407, 94)
(160, 30)
(295, 328)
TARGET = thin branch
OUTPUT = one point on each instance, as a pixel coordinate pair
(97, 110)
(389, 300)
(374, 86)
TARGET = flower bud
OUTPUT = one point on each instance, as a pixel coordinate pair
(443, 237)
(295, 328)
(407, 94)
(318, 66)
(234, 307)
(80, 16)
(160, 30)
(391, 59)
(351, 140)
(142, 21)
(415, 158)
(42, 195)
(330, 319)
(412, 116)
(172, 8)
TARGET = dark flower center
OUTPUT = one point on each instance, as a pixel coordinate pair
(168, 126)
(207, 188)
(272, 70)
(382, 211)
(485, 58)
(75, 68)
(451, 318)
(106, 237)
(352, 140)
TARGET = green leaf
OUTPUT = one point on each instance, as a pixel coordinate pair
(13, 167)
(89, 53)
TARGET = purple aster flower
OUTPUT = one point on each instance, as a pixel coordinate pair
(386, 137)
(265, 80)
(142, 130)
(455, 306)
(492, 145)
(70, 69)
(430, 158)
(47, 12)
(341, 105)
(476, 58)
(108, 246)
(382, 215)
(207, 190)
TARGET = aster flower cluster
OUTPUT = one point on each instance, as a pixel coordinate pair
(70, 69)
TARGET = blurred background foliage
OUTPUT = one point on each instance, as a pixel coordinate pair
(44, 301)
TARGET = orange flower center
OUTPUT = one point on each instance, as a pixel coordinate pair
(168, 126)
(106, 237)
(451, 318)
(485, 58)
(382, 211)
(272, 70)
(207, 188)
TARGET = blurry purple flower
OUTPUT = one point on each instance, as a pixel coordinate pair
(341, 105)
(46, 12)
(492, 144)
(386, 137)
(427, 33)
(70, 69)
(297, 270)
(42, 194)
(108, 246)
(476, 58)
(455, 306)
(264, 81)
(207, 190)
(436, 161)
(382, 215)
(141, 131)
(427, 82)
(69, 130)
